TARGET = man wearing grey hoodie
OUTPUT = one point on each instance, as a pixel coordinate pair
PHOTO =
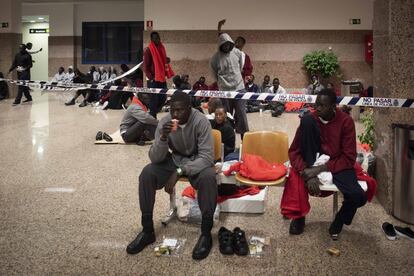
(227, 65)
(183, 145)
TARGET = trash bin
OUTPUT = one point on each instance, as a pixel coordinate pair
(403, 197)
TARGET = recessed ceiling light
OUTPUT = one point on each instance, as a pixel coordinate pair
(32, 21)
(40, 18)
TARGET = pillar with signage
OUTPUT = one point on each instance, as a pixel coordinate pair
(10, 36)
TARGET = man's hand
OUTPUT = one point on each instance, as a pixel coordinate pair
(166, 129)
(220, 24)
(313, 186)
(169, 186)
(312, 172)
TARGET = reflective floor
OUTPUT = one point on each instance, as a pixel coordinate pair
(70, 207)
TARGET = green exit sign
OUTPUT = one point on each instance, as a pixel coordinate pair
(355, 21)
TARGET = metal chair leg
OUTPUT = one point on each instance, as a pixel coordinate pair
(335, 204)
(172, 212)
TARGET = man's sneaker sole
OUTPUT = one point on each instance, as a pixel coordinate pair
(403, 235)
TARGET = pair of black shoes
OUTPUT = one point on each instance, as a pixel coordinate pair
(297, 226)
(201, 249)
(103, 136)
(392, 231)
(233, 242)
(25, 101)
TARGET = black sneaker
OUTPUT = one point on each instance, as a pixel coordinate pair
(225, 238)
(336, 228)
(240, 246)
(83, 104)
(15, 104)
(99, 136)
(297, 226)
(389, 231)
(27, 101)
(405, 232)
(106, 137)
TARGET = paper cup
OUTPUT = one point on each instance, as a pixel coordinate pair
(175, 125)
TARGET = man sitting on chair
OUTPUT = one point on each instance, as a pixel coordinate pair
(326, 131)
(191, 143)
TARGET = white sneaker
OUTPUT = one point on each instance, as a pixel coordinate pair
(105, 104)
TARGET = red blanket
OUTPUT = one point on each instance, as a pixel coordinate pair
(159, 58)
(256, 168)
(241, 191)
(295, 199)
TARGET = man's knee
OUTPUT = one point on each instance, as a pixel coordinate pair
(147, 174)
(206, 180)
(357, 198)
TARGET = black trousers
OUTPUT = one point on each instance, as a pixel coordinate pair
(136, 131)
(346, 180)
(154, 177)
(157, 100)
(238, 108)
(25, 75)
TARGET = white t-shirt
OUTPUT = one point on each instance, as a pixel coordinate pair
(59, 77)
(280, 90)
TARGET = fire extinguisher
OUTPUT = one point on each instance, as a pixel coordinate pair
(369, 54)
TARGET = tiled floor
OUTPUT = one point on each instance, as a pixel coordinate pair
(68, 206)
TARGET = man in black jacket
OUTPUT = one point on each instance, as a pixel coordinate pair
(22, 63)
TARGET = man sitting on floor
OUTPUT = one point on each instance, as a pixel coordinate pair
(137, 125)
(328, 131)
(187, 133)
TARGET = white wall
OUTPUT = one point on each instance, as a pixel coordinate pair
(107, 11)
(60, 16)
(259, 14)
(11, 12)
(40, 67)
(66, 18)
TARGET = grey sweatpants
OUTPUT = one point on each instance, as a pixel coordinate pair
(136, 131)
(155, 175)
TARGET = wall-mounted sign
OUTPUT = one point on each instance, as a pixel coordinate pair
(39, 31)
(5, 24)
(355, 21)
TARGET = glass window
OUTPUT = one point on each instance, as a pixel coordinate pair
(112, 42)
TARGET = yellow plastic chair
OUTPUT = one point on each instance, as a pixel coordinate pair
(218, 154)
(273, 146)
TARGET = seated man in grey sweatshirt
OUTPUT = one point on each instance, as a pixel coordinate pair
(183, 145)
(138, 125)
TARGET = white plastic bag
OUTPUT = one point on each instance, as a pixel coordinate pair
(189, 211)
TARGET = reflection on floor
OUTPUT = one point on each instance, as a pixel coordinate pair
(68, 206)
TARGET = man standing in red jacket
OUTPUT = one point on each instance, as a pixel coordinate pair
(157, 69)
(326, 131)
(247, 64)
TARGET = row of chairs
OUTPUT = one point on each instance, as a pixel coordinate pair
(272, 146)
